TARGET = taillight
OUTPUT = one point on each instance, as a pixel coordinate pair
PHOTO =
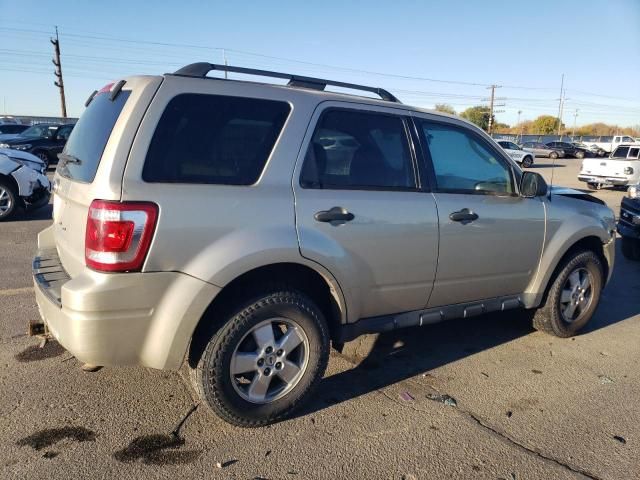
(119, 234)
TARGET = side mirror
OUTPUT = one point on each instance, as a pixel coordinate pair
(532, 185)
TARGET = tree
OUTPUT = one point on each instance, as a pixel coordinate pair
(545, 125)
(478, 115)
(446, 108)
(501, 128)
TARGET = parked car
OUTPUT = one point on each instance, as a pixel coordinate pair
(570, 150)
(539, 149)
(11, 130)
(23, 183)
(318, 229)
(621, 169)
(594, 149)
(629, 223)
(523, 157)
(43, 140)
(610, 146)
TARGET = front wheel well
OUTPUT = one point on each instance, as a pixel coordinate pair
(255, 282)
(591, 243)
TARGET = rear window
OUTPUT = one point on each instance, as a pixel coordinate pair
(90, 136)
(212, 139)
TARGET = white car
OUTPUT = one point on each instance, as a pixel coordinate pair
(23, 183)
(521, 156)
(622, 168)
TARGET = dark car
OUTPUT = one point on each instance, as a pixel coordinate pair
(11, 130)
(45, 141)
(629, 223)
(570, 149)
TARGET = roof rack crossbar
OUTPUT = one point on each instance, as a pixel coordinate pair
(201, 69)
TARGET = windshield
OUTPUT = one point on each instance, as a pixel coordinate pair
(83, 151)
(39, 131)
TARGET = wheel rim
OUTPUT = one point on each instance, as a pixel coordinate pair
(269, 360)
(576, 295)
(554, 155)
(6, 201)
(42, 156)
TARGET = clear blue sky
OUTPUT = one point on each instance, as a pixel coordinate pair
(595, 43)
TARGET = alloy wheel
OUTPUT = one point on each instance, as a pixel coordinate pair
(576, 295)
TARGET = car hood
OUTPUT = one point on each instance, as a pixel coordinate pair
(20, 140)
(20, 154)
(573, 193)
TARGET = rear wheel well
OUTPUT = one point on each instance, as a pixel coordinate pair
(252, 283)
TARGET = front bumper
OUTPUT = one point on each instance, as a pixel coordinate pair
(604, 180)
(120, 319)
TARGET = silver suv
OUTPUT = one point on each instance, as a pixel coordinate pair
(245, 227)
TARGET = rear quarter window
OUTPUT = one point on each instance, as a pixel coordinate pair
(90, 135)
(213, 139)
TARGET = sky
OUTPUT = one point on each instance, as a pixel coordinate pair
(425, 52)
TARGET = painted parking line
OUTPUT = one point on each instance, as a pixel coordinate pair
(15, 291)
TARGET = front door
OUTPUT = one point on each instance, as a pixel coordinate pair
(361, 212)
(490, 238)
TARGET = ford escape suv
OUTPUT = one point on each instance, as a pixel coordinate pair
(244, 227)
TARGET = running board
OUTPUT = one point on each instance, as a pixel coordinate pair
(418, 318)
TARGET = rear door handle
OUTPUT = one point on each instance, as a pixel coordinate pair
(465, 216)
(335, 214)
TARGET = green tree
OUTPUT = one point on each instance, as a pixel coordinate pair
(478, 115)
(545, 125)
(446, 108)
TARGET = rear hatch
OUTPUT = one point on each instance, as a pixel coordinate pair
(92, 163)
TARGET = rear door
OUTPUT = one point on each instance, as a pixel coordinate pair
(96, 154)
(490, 238)
(361, 210)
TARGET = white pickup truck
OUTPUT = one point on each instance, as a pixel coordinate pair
(615, 141)
(621, 168)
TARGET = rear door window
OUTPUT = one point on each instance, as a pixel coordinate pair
(213, 139)
(357, 150)
(90, 135)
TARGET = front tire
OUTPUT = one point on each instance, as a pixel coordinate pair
(527, 161)
(553, 155)
(631, 248)
(8, 200)
(265, 360)
(573, 296)
(580, 155)
(44, 157)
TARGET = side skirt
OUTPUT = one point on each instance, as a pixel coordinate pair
(417, 318)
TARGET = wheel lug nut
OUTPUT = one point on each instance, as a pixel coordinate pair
(278, 365)
(279, 352)
(267, 371)
(260, 362)
(269, 349)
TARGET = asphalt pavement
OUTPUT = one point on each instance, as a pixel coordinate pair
(486, 397)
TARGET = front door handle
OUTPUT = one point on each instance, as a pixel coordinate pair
(465, 216)
(335, 214)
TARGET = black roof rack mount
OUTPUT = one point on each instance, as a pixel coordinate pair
(201, 69)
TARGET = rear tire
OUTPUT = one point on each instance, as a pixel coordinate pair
(8, 200)
(527, 161)
(249, 373)
(631, 248)
(573, 296)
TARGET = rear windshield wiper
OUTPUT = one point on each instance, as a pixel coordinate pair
(66, 158)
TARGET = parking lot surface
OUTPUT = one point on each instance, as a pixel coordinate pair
(486, 397)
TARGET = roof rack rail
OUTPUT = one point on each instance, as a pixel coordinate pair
(201, 69)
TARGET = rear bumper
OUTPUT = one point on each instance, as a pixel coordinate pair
(604, 180)
(120, 319)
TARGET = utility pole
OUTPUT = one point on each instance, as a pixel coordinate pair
(519, 112)
(560, 104)
(575, 119)
(224, 59)
(492, 104)
(58, 73)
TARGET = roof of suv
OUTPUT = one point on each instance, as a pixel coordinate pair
(311, 86)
